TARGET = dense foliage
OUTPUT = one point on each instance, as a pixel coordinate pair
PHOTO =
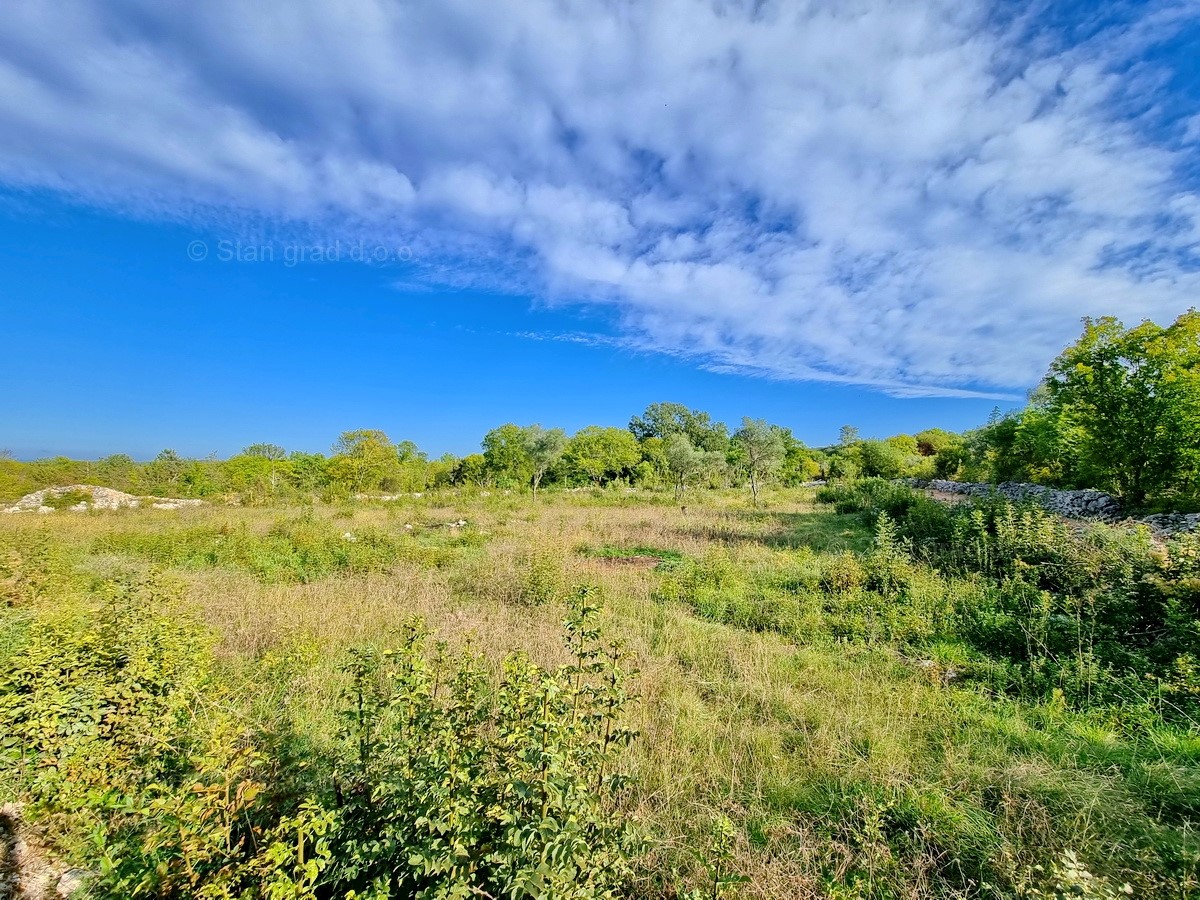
(877, 698)
(439, 783)
(1119, 410)
(514, 457)
(1103, 617)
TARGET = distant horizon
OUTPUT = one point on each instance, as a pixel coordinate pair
(148, 456)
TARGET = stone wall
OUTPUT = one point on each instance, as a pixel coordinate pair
(1083, 504)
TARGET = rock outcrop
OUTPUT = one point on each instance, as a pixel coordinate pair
(90, 496)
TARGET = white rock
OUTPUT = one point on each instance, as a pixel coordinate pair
(101, 498)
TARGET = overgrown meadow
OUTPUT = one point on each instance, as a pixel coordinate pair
(853, 692)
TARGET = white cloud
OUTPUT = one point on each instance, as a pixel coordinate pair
(892, 193)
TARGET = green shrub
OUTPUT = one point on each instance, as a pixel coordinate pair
(447, 792)
(123, 743)
(33, 568)
(1067, 878)
(67, 499)
(543, 577)
(843, 574)
(113, 735)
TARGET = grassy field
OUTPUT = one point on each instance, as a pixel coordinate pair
(797, 734)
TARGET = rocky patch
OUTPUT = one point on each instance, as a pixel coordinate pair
(82, 497)
(27, 871)
(1167, 524)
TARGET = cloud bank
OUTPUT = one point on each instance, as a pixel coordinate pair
(921, 197)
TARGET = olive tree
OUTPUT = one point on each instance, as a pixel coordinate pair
(545, 448)
(687, 464)
(762, 449)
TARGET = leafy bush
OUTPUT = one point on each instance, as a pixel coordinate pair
(1097, 613)
(106, 736)
(121, 739)
(446, 792)
(32, 568)
(872, 496)
(67, 499)
(1067, 878)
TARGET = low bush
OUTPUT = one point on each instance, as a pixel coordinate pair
(445, 791)
(114, 735)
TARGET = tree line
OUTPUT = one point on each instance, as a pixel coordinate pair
(1117, 410)
(667, 447)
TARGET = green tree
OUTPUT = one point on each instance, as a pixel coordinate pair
(933, 441)
(165, 472)
(441, 471)
(1134, 396)
(267, 451)
(947, 449)
(879, 459)
(363, 460)
(412, 467)
(250, 475)
(601, 454)
(545, 448)
(309, 472)
(506, 456)
(273, 454)
(471, 469)
(687, 464)
(800, 463)
(653, 470)
(117, 471)
(762, 449)
(661, 420)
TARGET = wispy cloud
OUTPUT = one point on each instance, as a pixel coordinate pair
(921, 197)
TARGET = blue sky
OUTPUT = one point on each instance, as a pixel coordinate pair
(891, 214)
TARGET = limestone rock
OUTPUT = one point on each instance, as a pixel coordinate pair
(99, 498)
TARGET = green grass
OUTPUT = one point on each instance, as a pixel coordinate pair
(300, 550)
(610, 552)
(793, 677)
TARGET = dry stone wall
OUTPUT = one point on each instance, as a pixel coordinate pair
(1084, 504)
(1081, 504)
